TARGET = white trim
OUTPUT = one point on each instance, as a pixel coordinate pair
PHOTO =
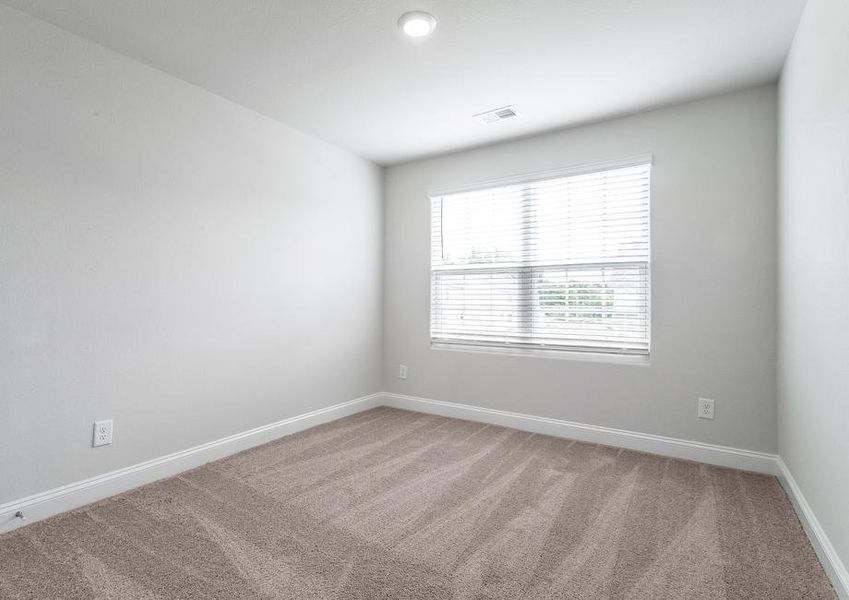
(522, 192)
(641, 360)
(71, 496)
(580, 169)
(68, 497)
(834, 567)
(724, 456)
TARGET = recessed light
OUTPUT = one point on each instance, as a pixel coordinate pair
(417, 23)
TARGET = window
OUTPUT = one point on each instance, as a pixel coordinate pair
(558, 262)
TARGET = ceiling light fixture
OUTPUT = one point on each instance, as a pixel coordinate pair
(417, 23)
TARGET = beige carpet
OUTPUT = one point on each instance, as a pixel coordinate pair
(394, 504)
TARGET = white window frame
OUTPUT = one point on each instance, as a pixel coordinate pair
(565, 352)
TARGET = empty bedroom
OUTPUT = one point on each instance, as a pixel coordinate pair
(424, 300)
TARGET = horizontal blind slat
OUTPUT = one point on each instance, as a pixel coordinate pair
(558, 263)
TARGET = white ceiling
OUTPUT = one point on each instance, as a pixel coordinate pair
(341, 70)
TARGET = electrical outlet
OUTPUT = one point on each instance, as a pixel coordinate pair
(402, 371)
(705, 408)
(102, 433)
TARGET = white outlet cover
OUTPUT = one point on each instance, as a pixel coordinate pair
(706, 408)
(402, 371)
(102, 435)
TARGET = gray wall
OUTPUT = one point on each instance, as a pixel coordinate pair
(168, 259)
(813, 406)
(713, 278)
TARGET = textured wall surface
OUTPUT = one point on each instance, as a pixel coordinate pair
(713, 278)
(813, 407)
(168, 259)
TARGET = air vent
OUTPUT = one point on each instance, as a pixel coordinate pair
(497, 114)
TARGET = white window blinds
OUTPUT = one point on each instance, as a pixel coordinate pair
(557, 263)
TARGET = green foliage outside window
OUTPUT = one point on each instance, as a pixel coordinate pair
(575, 300)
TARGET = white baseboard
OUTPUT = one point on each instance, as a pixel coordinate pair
(68, 497)
(831, 562)
(724, 456)
(711, 454)
(74, 495)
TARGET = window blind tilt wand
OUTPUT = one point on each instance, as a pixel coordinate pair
(557, 263)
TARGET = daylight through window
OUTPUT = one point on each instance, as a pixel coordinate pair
(559, 263)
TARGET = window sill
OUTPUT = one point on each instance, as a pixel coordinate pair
(598, 357)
